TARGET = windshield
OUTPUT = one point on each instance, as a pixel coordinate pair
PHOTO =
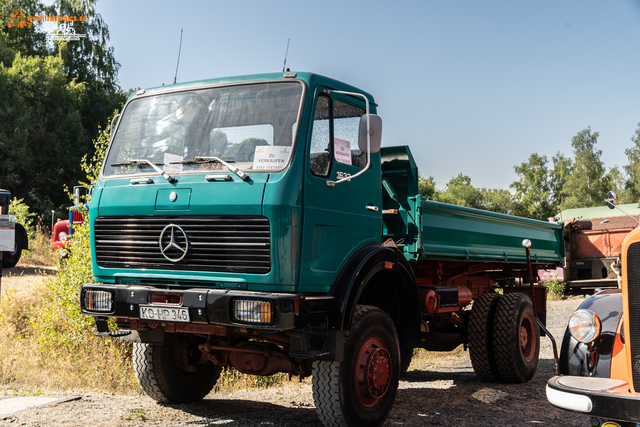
(251, 127)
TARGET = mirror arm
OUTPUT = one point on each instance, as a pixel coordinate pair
(366, 101)
(629, 215)
(612, 203)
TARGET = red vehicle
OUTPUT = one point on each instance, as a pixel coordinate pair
(63, 229)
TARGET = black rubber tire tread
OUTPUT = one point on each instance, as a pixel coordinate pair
(480, 337)
(332, 382)
(144, 369)
(162, 381)
(9, 260)
(406, 354)
(512, 367)
(326, 392)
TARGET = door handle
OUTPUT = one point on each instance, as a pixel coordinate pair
(372, 208)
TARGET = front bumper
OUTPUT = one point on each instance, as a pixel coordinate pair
(210, 306)
(597, 397)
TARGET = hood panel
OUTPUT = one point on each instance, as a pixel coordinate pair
(234, 197)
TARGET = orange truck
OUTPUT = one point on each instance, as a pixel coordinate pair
(600, 354)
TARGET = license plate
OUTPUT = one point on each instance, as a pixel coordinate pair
(164, 314)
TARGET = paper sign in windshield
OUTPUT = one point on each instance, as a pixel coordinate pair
(7, 233)
(270, 157)
(168, 167)
(342, 150)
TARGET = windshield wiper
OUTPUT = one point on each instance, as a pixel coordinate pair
(200, 160)
(140, 162)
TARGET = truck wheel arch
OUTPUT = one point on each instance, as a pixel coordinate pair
(356, 284)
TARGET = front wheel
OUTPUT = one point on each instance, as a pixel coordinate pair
(360, 390)
(516, 338)
(174, 371)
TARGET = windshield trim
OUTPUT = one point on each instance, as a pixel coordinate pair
(201, 87)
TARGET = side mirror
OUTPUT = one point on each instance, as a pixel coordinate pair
(79, 192)
(375, 125)
(611, 200)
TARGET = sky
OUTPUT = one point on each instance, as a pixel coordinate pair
(473, 87)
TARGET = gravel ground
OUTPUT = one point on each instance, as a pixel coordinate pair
(448, 394)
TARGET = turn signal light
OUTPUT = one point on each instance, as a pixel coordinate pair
(253, 311)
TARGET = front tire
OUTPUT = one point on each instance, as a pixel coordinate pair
(360, 390)
(174, 371)
(516, 338)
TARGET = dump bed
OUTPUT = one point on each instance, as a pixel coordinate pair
(425, 229)
(459, 233)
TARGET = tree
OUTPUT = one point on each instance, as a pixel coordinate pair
(562, 167)
(584, 187)
(28, 41)
(92, 61)
(632, 185)
(497, 200)
(427, 188)
(614, 181)
(53, 98)
(459, 191)
(533, 189)
(41, 135)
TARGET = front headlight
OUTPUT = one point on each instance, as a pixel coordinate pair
(252, 311)
(62, 236)
(101, 301)
(585, 326)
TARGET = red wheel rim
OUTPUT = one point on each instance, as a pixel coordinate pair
(527, 338)
(372, 372)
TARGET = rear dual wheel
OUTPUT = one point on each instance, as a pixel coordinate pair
(504, 338)
(360, 390)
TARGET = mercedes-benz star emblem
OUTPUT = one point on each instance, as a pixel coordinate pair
(173, 246)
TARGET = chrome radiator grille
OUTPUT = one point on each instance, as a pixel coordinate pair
(633, 281)
(239, 244)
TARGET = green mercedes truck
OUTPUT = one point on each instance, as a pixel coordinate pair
(256, 222)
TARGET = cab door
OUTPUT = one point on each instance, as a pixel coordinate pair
(338, 219)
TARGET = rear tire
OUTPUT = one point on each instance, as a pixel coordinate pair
(360, 390)
(173, 371)
(516, 338)
(10, 259)
(481, 336)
